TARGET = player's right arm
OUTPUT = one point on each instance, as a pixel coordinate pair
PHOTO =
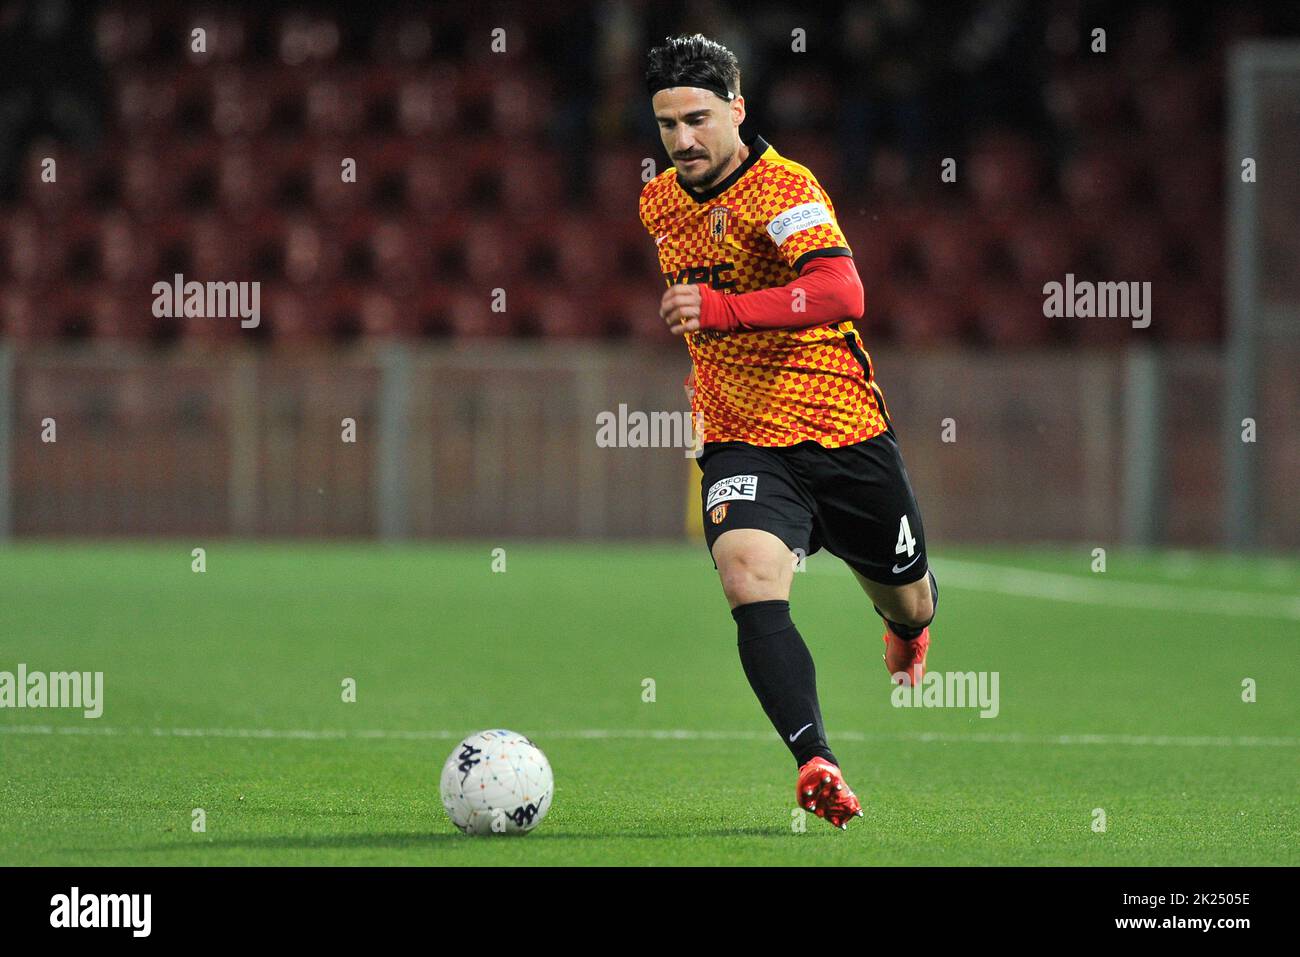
(800, 222)
(827, 291)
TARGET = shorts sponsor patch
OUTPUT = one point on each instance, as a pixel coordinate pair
(736, 488)
(797, 219)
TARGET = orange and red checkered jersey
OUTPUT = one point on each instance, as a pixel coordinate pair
(755, 230)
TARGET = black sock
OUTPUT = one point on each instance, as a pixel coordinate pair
(780, 670)
(908, 632)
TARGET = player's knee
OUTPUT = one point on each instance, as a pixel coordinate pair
(915, 606)
(752, 575)
(916, 609)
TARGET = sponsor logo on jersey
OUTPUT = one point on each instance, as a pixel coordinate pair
(712, 276)
(797, 219)
(736, 488)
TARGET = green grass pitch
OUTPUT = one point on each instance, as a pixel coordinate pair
(1135, 710)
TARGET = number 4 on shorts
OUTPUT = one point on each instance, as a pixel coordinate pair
(906, 543)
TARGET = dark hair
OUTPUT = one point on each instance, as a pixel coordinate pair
(693, 61)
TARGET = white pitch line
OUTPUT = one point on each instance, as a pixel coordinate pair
(1100, 590)
(673, 734)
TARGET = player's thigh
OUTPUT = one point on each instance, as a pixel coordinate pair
(867, 515)
(753, 565)
(748, 489)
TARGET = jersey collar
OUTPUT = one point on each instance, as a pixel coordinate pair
(757, 147)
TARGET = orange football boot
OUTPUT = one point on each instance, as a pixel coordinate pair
(906, 659)
(821, 789)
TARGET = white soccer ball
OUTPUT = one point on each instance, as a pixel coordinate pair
(497, 782)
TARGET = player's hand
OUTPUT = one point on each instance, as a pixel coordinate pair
(680, 308)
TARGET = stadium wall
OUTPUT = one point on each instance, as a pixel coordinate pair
(507, 442)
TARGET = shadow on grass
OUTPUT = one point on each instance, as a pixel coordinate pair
(413, 841)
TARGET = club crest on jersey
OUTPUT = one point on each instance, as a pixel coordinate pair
(719, 514)
(718, 223)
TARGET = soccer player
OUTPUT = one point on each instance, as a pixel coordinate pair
(799, 453)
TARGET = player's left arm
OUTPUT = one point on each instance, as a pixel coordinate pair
(801, 224)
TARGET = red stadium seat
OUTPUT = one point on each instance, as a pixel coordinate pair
(243, 189)
(617, 179)
(1041, 247)
(122, 33)
(425, 103)
(923, 316)
(23, 315)
(471, 315)
(34, 250)
(481, 173)
(397, 253)
(951, 246)
(1012, 316)
(289, 313)
(1188, 178)
(335, 200)
(306, 38)
(521, 106)
(1186, 313)
(66, 193)
(144, 101)
(127, 251)
(1003, 172)
(637, 259)
(335, 104)
(149, 183)
(240, 106)
(633, 311)
(227, 35)
(531, 181)
(1132, 248)
(382, 315)
(67, 312)
(227, 166)
(488, 249)
(213, 249)
(875, 240)
(584, 249)
(434, 182)
(430, 309)
(1098, 184)
(125, 311)
(337, 313)
(561, 315)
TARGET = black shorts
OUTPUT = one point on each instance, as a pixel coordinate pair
(856, 502)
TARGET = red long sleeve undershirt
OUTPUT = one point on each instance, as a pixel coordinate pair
(831, 288)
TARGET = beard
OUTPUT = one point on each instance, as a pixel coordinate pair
(703, 179)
